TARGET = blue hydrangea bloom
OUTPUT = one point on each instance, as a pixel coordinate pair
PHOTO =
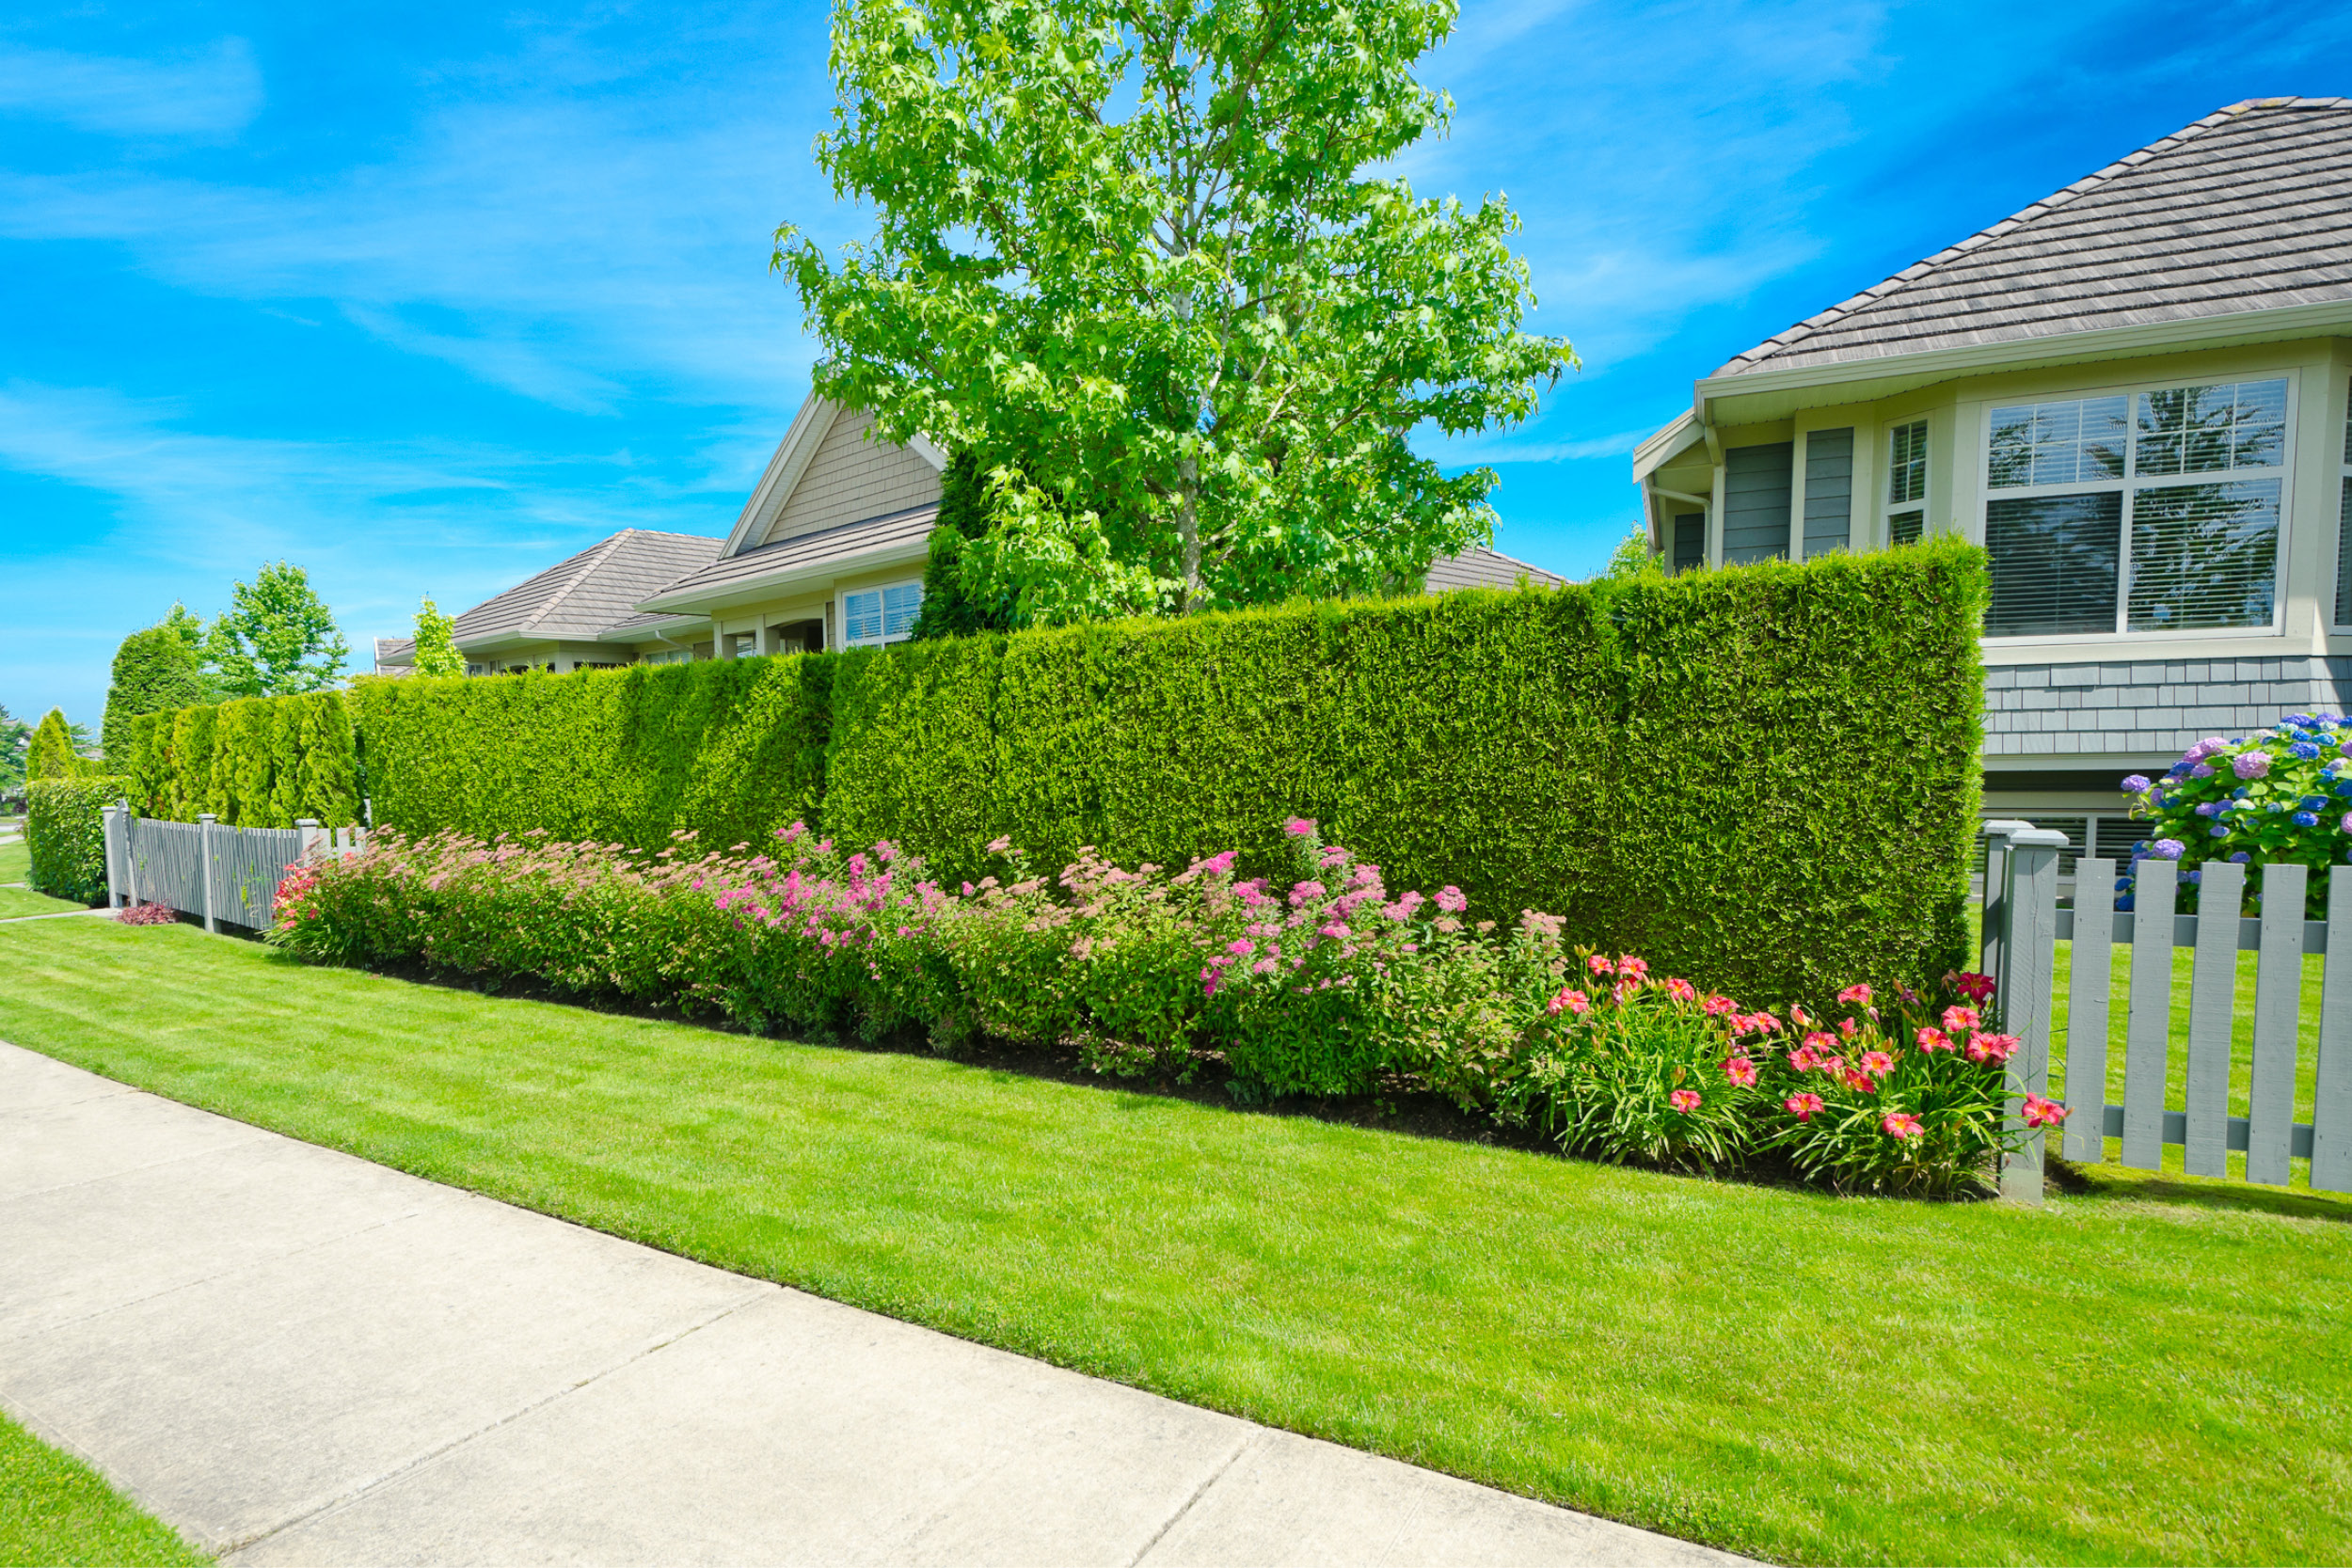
(2305, 750)
(2122, 884)
(2192, 877)
(2124, 905)
(2219, 831)
(2296, 719)
(2135, 783)
(2211, 807)
(2240, 858)
(2306, 820)
(2315, 802)
(2240, 792)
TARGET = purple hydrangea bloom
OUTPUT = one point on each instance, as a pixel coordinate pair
(2346, 823)
(2306, 820)
(2132, 784)
(2219, 831)
(2250, 764)
(2202, 770)
(2208, 747)
(2167, 849)
(2211, 807)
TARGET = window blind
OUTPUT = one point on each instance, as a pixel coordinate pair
(2344, 531)
(1907, 463)
(1690, 552)
(2054, 563)
(2204, 555)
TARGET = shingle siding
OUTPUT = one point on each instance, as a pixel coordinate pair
(2083, 709)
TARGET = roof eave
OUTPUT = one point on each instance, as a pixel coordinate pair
(1751, 397)
(1666, 445)
(768, 585)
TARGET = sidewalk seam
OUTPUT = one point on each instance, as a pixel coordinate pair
(1249, 1440)
(345, 1499)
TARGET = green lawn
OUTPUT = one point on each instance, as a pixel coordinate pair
(17, 902)
(16, 860)
(2152, 1371)
(56, 1510)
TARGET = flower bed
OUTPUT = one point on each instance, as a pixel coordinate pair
(1329, 985)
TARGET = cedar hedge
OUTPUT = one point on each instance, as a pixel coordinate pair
(64, 833)
(1764, 777)
(256, 762)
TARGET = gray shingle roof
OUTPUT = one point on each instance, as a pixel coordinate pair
(391, 652)
(2249, 208)
(805, 550)
(577, 599)
(1480, 568)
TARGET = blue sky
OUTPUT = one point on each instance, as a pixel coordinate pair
(426, 297)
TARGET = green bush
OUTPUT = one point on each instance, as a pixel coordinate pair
(156, 670)
(734, 748)
(66, 832)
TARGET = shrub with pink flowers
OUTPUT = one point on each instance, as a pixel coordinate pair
(1327, 984)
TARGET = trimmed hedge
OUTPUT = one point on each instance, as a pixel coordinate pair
(256, 762)
(1764, 778)
(733, 748)
(66, 833)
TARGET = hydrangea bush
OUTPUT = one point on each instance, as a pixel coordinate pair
(2279, 795)
(1329, 984)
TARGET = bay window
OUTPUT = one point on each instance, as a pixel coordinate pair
(2154, 513)
(879, 615)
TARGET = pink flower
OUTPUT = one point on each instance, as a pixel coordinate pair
(1682, 990)
(1633, 968)
(1901, 1124)
(1859, 994)
(1684, 1100)
(1599, 964)
(1802, 1106)
(1337, 930)
(1797, 1016)
(1992, 1048)
(1572, 1001)
(2250, 764)
(1877, 1063)
(1299, 827)
(2041, 1111)
(1976, 987)
(1957, 1017)
(998, 846)
(1802, 1058)
(1845, 1026)
(1264, 966)
(1740, 1070)
(1819, 1041)
(1861, 1082)
(1451, 899)
(1241, 947)
(1716, 1006)
(1934, 1039)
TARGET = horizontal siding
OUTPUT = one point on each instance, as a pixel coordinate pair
(851, 478)
(2153, 707)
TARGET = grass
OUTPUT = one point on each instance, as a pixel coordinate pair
(56, 1510)
(2147, 1370)
(18, 902)
(16, 860)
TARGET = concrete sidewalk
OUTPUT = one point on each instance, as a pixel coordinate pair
(297, 1356)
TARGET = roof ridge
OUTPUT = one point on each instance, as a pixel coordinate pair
(594, 556)
(2048, 204)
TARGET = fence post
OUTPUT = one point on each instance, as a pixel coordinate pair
(204, 823)
(311, 835)
(110, 825)
(2027, 980)
(1995, 904)
(130, 852)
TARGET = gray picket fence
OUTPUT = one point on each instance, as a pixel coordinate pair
(2023, 927)
(217, 872)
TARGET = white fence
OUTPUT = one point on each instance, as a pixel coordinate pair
(219, 874)
(2023, 927)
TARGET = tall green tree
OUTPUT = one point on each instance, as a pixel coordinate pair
(157, 669)
(953, 604)
(1128, 255)
(277, 637)
(16, 736)
(436, 642)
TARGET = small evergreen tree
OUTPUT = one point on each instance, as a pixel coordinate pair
(15, 736)
(157, 669)
(951, 607)
(1632, 558)
(52, 754)
(436, 642)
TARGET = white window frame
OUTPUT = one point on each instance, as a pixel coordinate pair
(2130, 393)
(1884, 483)
(667, 655)
(841, 612)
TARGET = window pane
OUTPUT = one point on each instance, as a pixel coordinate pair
(861, 617)
(2204, 555)
(1689, 541)
(900, 605)
(2079, 442)
(2343, 555)
(1907, 463)
(2200, 429)
(1903, 527)
(2054, 563)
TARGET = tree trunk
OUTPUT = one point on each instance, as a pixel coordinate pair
(1188, 527)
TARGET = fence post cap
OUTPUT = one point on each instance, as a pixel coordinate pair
(207, 817)
(306, 821)
(2025, 836)
(2007, 827)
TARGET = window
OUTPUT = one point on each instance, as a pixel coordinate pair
(668, 655)
(2344, 531)
(2089, 530)
(1906, 482)
(1689, 541)
(880, 615)
(2097, 834)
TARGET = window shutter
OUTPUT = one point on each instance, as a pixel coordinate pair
(1689, 541)
(1757, 485)
(1828, 490)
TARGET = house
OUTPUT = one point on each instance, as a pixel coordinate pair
(2133, 395)
(827, 553)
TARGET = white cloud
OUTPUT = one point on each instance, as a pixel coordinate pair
(211, 94)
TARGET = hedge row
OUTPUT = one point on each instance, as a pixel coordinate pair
(1764, 777)
(65, 831)
(256, 762)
